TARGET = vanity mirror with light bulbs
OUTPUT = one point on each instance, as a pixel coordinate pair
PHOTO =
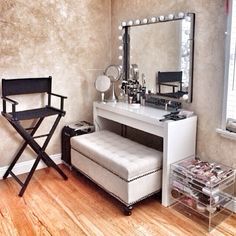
(158, 57)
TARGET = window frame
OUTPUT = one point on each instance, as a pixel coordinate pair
(222, 131)
(227, 61)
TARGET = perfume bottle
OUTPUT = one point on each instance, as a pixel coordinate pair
(121, 97)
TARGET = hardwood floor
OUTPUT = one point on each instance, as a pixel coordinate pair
(52, 206)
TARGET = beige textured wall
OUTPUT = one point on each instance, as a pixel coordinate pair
(68, 39)
(209, 64)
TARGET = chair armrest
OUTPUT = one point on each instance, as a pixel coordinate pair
(57, 95)
(13, 102)
(10, 100)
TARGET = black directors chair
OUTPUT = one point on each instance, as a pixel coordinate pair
(24, 86)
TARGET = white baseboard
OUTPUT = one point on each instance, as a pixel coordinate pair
(24, 167)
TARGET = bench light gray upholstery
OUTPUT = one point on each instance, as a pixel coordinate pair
(126, 169)
(121, 156)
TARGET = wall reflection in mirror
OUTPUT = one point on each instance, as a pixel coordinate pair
(158, 56)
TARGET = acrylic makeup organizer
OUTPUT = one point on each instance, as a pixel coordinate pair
(203, 193)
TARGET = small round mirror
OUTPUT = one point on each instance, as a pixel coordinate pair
(114, 73)
(102, 84)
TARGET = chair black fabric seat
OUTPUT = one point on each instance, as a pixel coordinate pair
(35, 113)
(24, 86)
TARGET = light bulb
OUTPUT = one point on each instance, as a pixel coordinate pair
(137, 22)
(130, 22)
(120, 37)
(120, 27)
(120, 57)
(188, 18)
(181, 14)
(120, 48)
(123, 23)
(170, 16)
(153, 19)
(161, 18)
(145, 20)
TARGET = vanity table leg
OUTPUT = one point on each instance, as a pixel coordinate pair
(179, 144)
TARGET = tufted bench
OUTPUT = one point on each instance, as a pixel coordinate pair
(127, 170)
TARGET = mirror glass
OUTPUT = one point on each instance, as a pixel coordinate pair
(165, 46)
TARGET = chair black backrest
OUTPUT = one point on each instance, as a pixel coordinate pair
(26, 86)
(166, 77)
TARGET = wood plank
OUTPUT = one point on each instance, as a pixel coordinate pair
(52, 206)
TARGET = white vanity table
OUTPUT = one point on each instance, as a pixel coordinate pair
(179, 137)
